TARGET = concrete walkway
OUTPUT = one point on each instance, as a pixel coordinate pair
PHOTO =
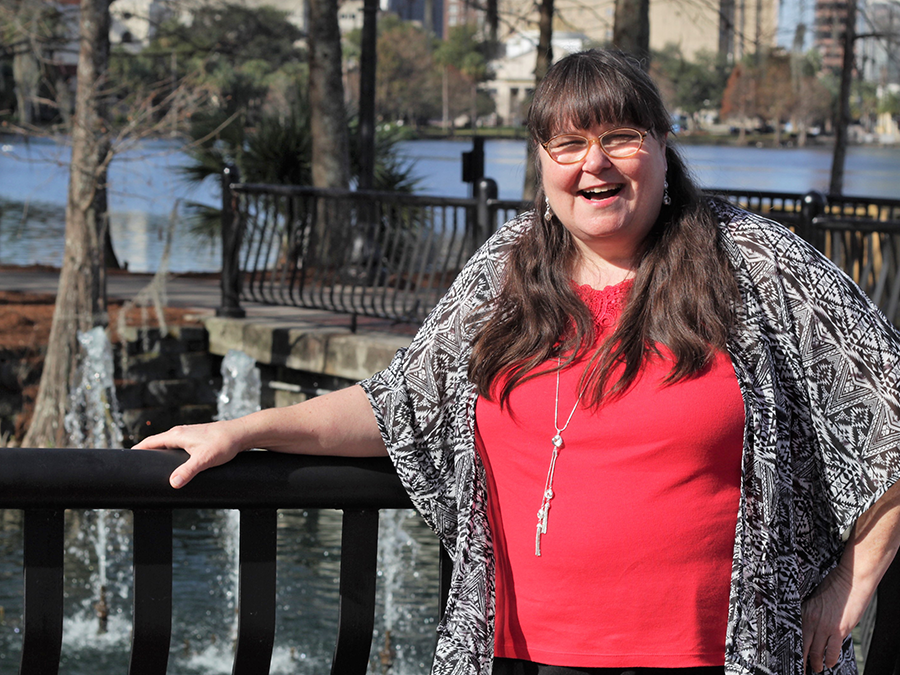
(301, 339)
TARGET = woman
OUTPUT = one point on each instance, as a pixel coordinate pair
(640, 421)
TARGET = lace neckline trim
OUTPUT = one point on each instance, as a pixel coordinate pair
(605, 304)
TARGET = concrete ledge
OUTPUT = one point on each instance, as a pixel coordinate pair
(330, 350)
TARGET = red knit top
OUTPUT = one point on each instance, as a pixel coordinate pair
(635, 564)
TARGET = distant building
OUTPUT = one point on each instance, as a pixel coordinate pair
(350, 16)
(878, 51)
(427, 13)
(513, 83)
(730, 28)
(831, 21)
(461, 13)
(134, 22)
(733, 28)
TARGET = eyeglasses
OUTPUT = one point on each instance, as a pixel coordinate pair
(615, 143)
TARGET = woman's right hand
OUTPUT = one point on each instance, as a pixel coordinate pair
(207, 444)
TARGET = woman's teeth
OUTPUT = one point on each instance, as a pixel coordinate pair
(601, 192)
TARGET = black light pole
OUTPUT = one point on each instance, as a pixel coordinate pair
(367, 63)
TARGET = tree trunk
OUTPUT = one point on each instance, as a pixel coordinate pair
(328, 118)
(445, 99)
(26, 67)
(81, 299)
(492, 18)
(631, 31)
(836, 186)
(330, 134)
(542, 64)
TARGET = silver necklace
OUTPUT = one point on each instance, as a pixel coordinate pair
(557, 441)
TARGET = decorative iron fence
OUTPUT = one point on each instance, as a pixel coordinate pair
(44, 483)
(393, 256)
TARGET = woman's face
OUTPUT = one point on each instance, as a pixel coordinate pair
(608, 205)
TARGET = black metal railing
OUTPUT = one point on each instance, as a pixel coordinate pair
(393, 256)
(44, 483)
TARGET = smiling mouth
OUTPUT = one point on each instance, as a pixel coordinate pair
(600, 193)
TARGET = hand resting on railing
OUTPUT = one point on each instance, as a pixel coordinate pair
(340, 423)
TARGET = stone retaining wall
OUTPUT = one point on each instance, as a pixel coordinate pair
(164, 381)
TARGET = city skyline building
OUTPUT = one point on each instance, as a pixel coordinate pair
(830, 27)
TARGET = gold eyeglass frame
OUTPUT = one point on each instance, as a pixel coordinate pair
(599, 141)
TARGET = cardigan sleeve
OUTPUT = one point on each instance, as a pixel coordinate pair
(845, 356)
(421, 401)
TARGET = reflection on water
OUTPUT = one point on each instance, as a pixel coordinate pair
(34, 234)
(143, 186)
(204, 582)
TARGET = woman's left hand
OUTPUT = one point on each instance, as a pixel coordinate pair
(828, 616)
(838, 603)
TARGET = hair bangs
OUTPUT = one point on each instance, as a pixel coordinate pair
(595, 90)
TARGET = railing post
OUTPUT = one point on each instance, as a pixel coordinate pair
(43, 616)
(356, 616)
(256, 608)
(152, 591)
(231, 246)
(813, 206)
(485, 190)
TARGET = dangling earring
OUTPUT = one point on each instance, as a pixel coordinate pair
(548, 212)
(667, 200)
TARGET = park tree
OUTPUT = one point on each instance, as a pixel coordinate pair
(542, 64)
(739, 97)
(631, 29)
(32, 34)
(234, 55)
(842, 119)
(812, 99)
(328, 117)
(407, 85)
(81, 298)
(775, 95)
(464, 61)
(690, 86)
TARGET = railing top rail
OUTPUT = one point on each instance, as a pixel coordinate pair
(861, 224)
(510, 203)
(875, 201)
(760, 194)
(360, 195)
(98, 478)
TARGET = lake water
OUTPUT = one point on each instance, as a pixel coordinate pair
(145, 186)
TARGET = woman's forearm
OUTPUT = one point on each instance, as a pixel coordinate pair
(339, 423)
(837, 605)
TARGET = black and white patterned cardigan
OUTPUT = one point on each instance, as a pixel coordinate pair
(818, 367)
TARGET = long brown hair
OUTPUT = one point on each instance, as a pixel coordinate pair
(684, 292)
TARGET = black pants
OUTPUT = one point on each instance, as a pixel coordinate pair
(519, 667)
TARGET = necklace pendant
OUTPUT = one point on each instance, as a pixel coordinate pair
(541, 527)
(557, 441)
